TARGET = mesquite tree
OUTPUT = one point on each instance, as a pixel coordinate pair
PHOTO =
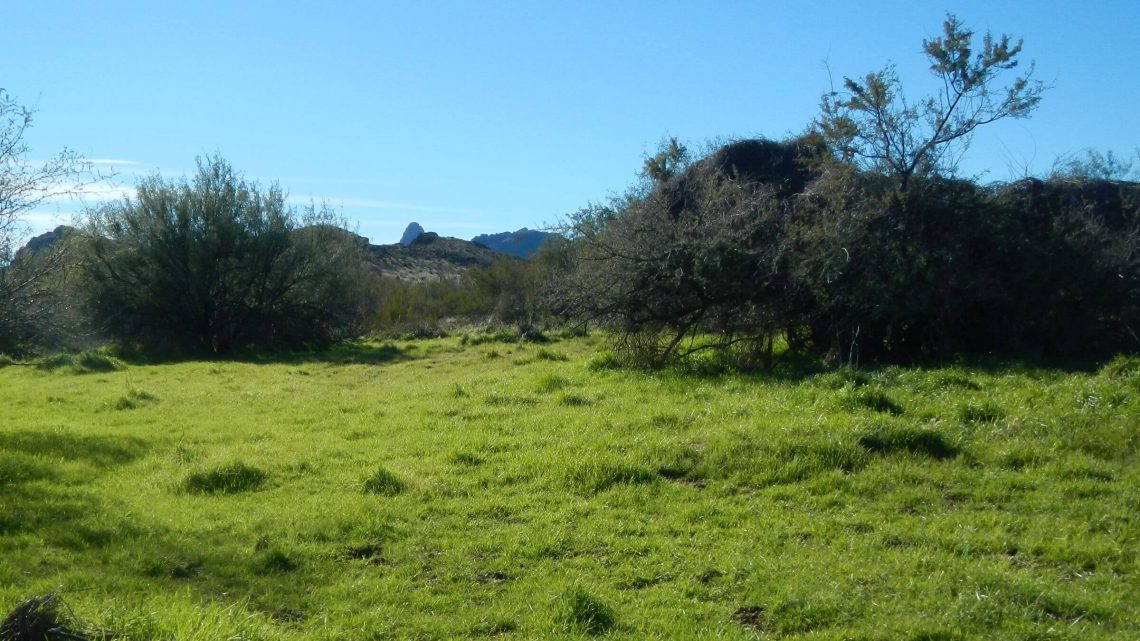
(871, 122)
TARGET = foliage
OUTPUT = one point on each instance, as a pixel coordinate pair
(671, 159)
(30, 304)
(86, 362)
(873, 123)
(700, 251)
(855, 243)
(508, 293)
(43, 311)
(1094, 164)
(218, 264)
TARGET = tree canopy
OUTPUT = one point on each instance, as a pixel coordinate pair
(872, 122)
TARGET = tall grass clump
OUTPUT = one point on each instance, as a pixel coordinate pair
(384, 483)
(876, 400)
(227, 479)
(45, 618)
(579, 611)
(88, 362)
(983, 412)
(544, 354)
(592, 477)
(908, 440)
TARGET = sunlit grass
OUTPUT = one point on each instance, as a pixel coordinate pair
(474, 488)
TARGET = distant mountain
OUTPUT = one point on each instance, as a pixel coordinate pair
(47, 240)
(412, 232)
(429, 257)
(522, 243)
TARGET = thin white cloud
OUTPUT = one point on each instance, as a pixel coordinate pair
(367, 203)
(115, 162)
(98, 191)
(464, 225)
(40, 218)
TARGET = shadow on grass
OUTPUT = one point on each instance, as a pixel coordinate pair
(796, 367)
(31, 464)
(908, 440)
(353, 353)
(96, 450)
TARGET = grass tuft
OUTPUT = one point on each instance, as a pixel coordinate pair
(860, 398)
(550, 355)
(88, 362)
(552, 383)
(275, 561)
(227, 479)
(494, 628)
(605, 361)
(842, 377)
(575, 400)
(466, 458)
(908, 440)
(384, 483)
(134, 399)
(592, 477)
(1121, 367)
(579, 611)
(984, 412)
(44, 618)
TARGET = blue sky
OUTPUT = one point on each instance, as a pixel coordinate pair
(479, 117)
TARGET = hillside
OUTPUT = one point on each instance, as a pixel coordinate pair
(429, 257)
(521, 244)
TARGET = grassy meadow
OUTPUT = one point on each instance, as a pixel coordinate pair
(456, 488)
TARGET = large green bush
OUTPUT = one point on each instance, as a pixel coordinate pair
(218, 264)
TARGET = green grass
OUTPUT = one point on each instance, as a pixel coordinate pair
(424, 489)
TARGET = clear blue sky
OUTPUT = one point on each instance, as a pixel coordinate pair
(475, 117)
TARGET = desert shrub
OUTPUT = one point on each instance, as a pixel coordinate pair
(858, 243)
(424, 309)
(697, 252)
(217, 264)
(384, 483)
(227, 479)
